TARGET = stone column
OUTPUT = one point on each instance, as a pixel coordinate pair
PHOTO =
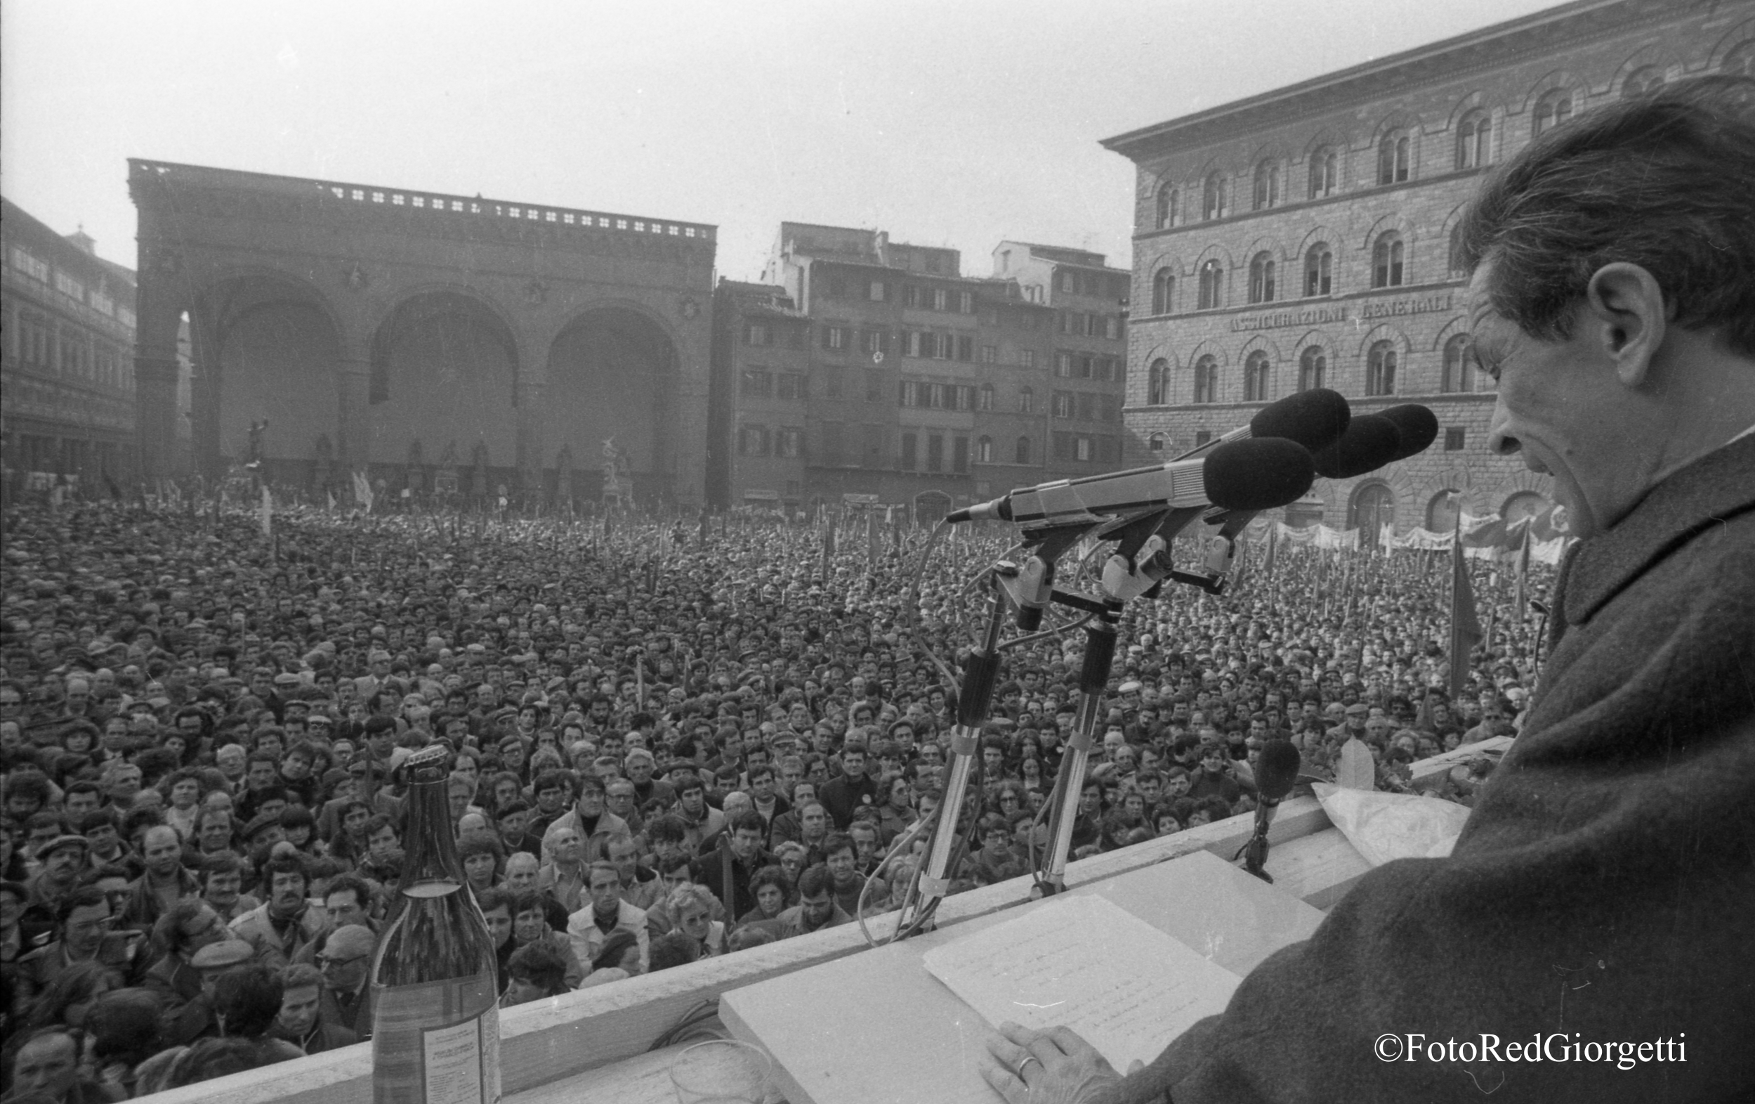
(157, 316)
(206, 386)
(353, 381)
(529, 457)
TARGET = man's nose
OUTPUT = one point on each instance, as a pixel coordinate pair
(1499, 438)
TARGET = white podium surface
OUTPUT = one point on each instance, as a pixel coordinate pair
(877, 1027)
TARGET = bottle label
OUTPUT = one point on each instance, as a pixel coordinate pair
(437, 1042)
(451, 1058)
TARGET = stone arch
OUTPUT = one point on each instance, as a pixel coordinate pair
(1464, 104)
(1383, 331)
(1372, 504)
(268, 345)
(1450, 329)
(1322, 233)
(1263, 342)
(1396, 221)
(1656, 54)
(1327, 136)
(1738, 35)
(1209, 347)
(1263, 243)
(1547, 82)
(1214, 250)
(444, 364)
(612, 371)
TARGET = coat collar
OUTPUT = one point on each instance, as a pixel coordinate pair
(1710, 490)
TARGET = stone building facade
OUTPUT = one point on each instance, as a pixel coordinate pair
(66, 366)
(863, 369)
(441, 343)
(1305, 237)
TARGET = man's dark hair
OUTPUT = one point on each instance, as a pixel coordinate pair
(748, 820)
(88, 896)
(362, 892)
(248, 997)
(1665, 181)
(285, 863)
(815, 880)
(541, 964)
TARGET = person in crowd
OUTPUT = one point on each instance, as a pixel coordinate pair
(287, 924)
(178, 934)
(605, 914)
(536, 970)
(48, 1067)
(816, 908)
(346, 966)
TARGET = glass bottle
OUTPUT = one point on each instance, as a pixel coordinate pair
(435, 1010)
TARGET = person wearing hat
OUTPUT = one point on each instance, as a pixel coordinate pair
(188, 930)
(63, 859)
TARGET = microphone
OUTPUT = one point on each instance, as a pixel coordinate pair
(1258, 474)
(1275, 775)
(1313, 418)
(1371, 441)
(1417, 425)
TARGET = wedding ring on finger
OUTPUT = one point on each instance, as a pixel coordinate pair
(1028, 1058)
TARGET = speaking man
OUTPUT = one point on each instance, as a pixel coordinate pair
(1600, 889)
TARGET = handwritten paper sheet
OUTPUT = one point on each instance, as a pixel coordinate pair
(1083, 961)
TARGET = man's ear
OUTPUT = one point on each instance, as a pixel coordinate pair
(1627, 319)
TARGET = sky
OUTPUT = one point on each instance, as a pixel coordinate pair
(946, 123)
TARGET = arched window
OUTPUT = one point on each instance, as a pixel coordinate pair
(1206, 379)
(1261, 278)
(1455, 262)
(1523, 504)
(1324, 172)
(1319, 264)
(1474, 140)
(1155, 442)
(1163, 291)
(984, 397)
(1212, 200)
(1380, 369)
(1167, 198)
(1394, 151)
(1312, 367)
(1026, 401)
(1386, 261)
(1642, 82)
(1158, 383)
(1212, 280)
(984, 451)
(1441, 511)
(1372, 508)
(1256, 378)
(1459, 365)
(1023, 450)
(1554, 108)
(1267, 185)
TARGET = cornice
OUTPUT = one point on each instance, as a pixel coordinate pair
(1491, 48)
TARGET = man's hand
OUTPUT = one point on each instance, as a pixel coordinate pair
(1048, 1067)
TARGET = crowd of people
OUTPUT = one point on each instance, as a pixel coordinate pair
(671, 740)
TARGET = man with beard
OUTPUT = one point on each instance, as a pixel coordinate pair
(287, 924)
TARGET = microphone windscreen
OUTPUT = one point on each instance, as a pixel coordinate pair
(1260, 473)
(1276, 772)
(1417, 425)
(1315, 418)
(1370, 442)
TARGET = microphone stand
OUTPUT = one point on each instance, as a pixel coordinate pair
(1100, 640)
(974, 700)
